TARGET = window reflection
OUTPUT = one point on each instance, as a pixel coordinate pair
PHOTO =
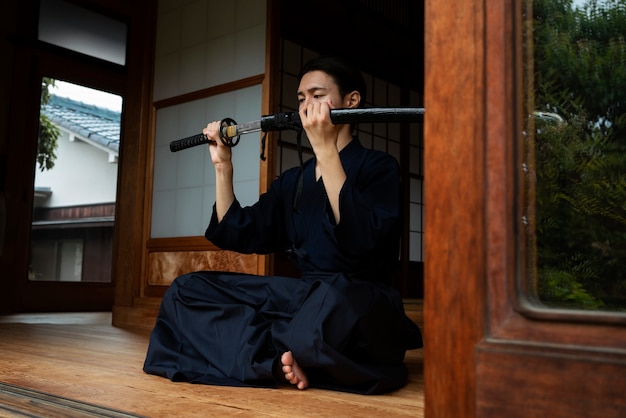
(575, 159)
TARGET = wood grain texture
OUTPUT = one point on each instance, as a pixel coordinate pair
(99, 364)
(164, 267)
(20, 402)
(532, 362)
(515, 381)
(131, 222)
(454, 188)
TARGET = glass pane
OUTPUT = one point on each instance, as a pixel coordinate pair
(69, 26)
(575, 152)
(183, 190)
(57, 260)
(75, 184)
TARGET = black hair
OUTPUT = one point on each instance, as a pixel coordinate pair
(347, 77)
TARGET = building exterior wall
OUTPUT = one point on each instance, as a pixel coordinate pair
(82, 175)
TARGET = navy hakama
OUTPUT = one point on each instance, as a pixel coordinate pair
(345, 326)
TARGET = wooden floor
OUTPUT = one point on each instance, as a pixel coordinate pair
(81, 357)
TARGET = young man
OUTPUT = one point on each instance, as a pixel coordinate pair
(338, 327)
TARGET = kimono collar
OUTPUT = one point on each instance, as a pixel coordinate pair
(350, 149)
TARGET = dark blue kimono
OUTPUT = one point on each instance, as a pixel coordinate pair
(345, 326)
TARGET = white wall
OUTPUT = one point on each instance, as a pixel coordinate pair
(201, 44)
(81, 175)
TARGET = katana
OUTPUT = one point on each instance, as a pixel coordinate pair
(230, 131)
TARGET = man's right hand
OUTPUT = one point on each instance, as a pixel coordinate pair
(220, 153)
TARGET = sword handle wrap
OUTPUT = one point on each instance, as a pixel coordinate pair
(189, 142)
(227, 133)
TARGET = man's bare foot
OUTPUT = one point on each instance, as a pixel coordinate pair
(293, 373)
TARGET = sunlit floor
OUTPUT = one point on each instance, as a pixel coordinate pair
(81, 357)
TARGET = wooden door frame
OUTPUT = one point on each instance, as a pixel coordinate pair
(136, 301)
(454, 188)
(488, 351)
(30, 60)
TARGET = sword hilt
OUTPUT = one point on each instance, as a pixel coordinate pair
(227, 133)
(190, 141)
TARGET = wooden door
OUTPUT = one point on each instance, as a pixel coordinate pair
(31, 60)
(489, 351)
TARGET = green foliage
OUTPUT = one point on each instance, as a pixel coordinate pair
(580, 74)
(48, 132)
(564, 290)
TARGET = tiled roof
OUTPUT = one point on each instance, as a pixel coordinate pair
(98, 124)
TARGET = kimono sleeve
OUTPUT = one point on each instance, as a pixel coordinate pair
(259, 228)
(370, 207)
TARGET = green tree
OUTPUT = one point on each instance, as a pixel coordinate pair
(580, 74)
(48, 132)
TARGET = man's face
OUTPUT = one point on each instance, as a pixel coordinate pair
(317, 86)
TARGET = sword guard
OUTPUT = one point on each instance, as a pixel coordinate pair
(226, 131)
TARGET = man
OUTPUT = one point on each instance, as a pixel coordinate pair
(340, 326)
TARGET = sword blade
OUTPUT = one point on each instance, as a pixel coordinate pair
(243, 128)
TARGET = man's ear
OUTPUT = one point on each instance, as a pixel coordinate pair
(353, 99)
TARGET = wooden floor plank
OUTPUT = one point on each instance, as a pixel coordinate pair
(94, 362)
(20, 402)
